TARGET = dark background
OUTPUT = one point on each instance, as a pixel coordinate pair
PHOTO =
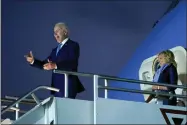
(108, 34)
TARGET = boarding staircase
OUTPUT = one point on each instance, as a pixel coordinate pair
(54, 110)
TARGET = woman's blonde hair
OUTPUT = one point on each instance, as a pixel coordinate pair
(155, 65)
(169, 56)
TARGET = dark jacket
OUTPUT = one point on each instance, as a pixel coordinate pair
(169, 76)
(67, 60)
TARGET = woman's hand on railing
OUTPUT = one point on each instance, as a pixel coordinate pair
(155, 87)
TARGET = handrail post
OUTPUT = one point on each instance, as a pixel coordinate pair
(95, 87)
(106, 91)
(66, 85)
(17, 112)
(35, 98)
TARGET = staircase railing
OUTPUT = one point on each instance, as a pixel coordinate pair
(96, 86)
(31, 93)
(113, 78)
(10, 99)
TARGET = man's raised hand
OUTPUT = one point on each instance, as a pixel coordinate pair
(29, 57)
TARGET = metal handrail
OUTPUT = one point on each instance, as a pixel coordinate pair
(105, 77)
(96, 87)
(118, 79)
(21, 102)
(142, 82)
(142, 91)
(15, 98)
(26, 95)
(73, 73)
(14, 109)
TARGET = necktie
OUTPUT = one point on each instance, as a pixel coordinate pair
(58, 48)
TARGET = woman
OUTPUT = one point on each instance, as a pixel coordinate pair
(166, 73)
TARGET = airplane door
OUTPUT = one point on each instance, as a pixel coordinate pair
(146, 70)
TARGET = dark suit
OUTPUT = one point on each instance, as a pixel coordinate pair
(169, 76)
(66, 59)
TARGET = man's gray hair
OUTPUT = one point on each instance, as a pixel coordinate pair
(62, 25)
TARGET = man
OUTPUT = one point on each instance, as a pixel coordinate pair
(64, 57)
